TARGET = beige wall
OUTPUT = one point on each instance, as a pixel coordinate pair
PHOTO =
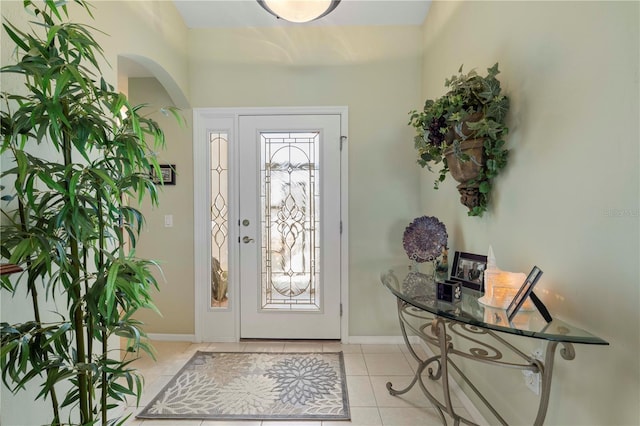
(171, 247)
(151, 33)
(568, 200)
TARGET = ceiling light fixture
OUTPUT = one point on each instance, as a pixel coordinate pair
(299, 11)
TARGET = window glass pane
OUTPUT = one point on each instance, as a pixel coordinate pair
(219, 219)
(290, 221)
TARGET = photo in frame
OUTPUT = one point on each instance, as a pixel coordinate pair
(524, 292)
(468, 269)
(168, 174)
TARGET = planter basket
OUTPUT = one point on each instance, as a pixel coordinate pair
(467, 171)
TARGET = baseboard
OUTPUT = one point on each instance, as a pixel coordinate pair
(172, 337)
(356, 340)
(380, 340)
(221, 340)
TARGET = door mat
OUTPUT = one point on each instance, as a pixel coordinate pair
(255, 385)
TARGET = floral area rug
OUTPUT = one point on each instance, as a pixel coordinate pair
(251, 385)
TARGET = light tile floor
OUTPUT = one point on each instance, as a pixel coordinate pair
(368, 369)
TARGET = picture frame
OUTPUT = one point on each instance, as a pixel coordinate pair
(168, 176)
(449, 291)
(468, 269)
(525, 290)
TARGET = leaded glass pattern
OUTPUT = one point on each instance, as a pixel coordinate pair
(219, 173)
(290, 221)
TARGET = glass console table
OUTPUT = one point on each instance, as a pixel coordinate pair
(469, 330)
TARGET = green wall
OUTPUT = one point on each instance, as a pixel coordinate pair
(568, 200)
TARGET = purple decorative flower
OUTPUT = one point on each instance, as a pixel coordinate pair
(424, 239)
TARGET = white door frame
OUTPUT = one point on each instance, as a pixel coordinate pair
(229, 320)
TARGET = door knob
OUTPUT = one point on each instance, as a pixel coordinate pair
(246, 240)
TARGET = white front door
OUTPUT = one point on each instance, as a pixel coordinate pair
(289, 226)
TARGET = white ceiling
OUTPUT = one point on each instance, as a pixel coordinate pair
(248, 13)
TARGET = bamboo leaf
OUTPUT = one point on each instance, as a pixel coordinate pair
(48, 180)
(71, 397)
(7, 347)
(24, 353)
(21, 251)
(51, 34)
(106, 179)
(73, 183)
(176, 114)
(23, 164)
(16, 36)
(119, 389)
(56, 335)
(78, 78)
(139, 385)
(110, 288)
(61, 84)
(121, 421)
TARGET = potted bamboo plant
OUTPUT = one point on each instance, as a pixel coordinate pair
(463, 131)
(79, 156)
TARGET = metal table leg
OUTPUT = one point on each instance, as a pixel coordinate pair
(434, 332)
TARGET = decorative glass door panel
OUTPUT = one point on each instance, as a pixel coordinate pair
(289, 233)
(219, 172)
(290, 221)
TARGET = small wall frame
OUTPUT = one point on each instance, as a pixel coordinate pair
(168, 174)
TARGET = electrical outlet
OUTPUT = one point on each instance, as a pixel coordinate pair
(531, 379)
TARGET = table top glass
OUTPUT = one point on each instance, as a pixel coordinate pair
(418, 289)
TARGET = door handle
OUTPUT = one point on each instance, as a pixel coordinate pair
(246, 239)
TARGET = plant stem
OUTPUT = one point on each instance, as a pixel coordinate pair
(105, 387)
(85, 411)
(89, 325)
(36, 313)
(76, 293)
(90, 330)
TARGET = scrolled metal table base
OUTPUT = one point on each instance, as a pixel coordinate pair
(433, 330)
